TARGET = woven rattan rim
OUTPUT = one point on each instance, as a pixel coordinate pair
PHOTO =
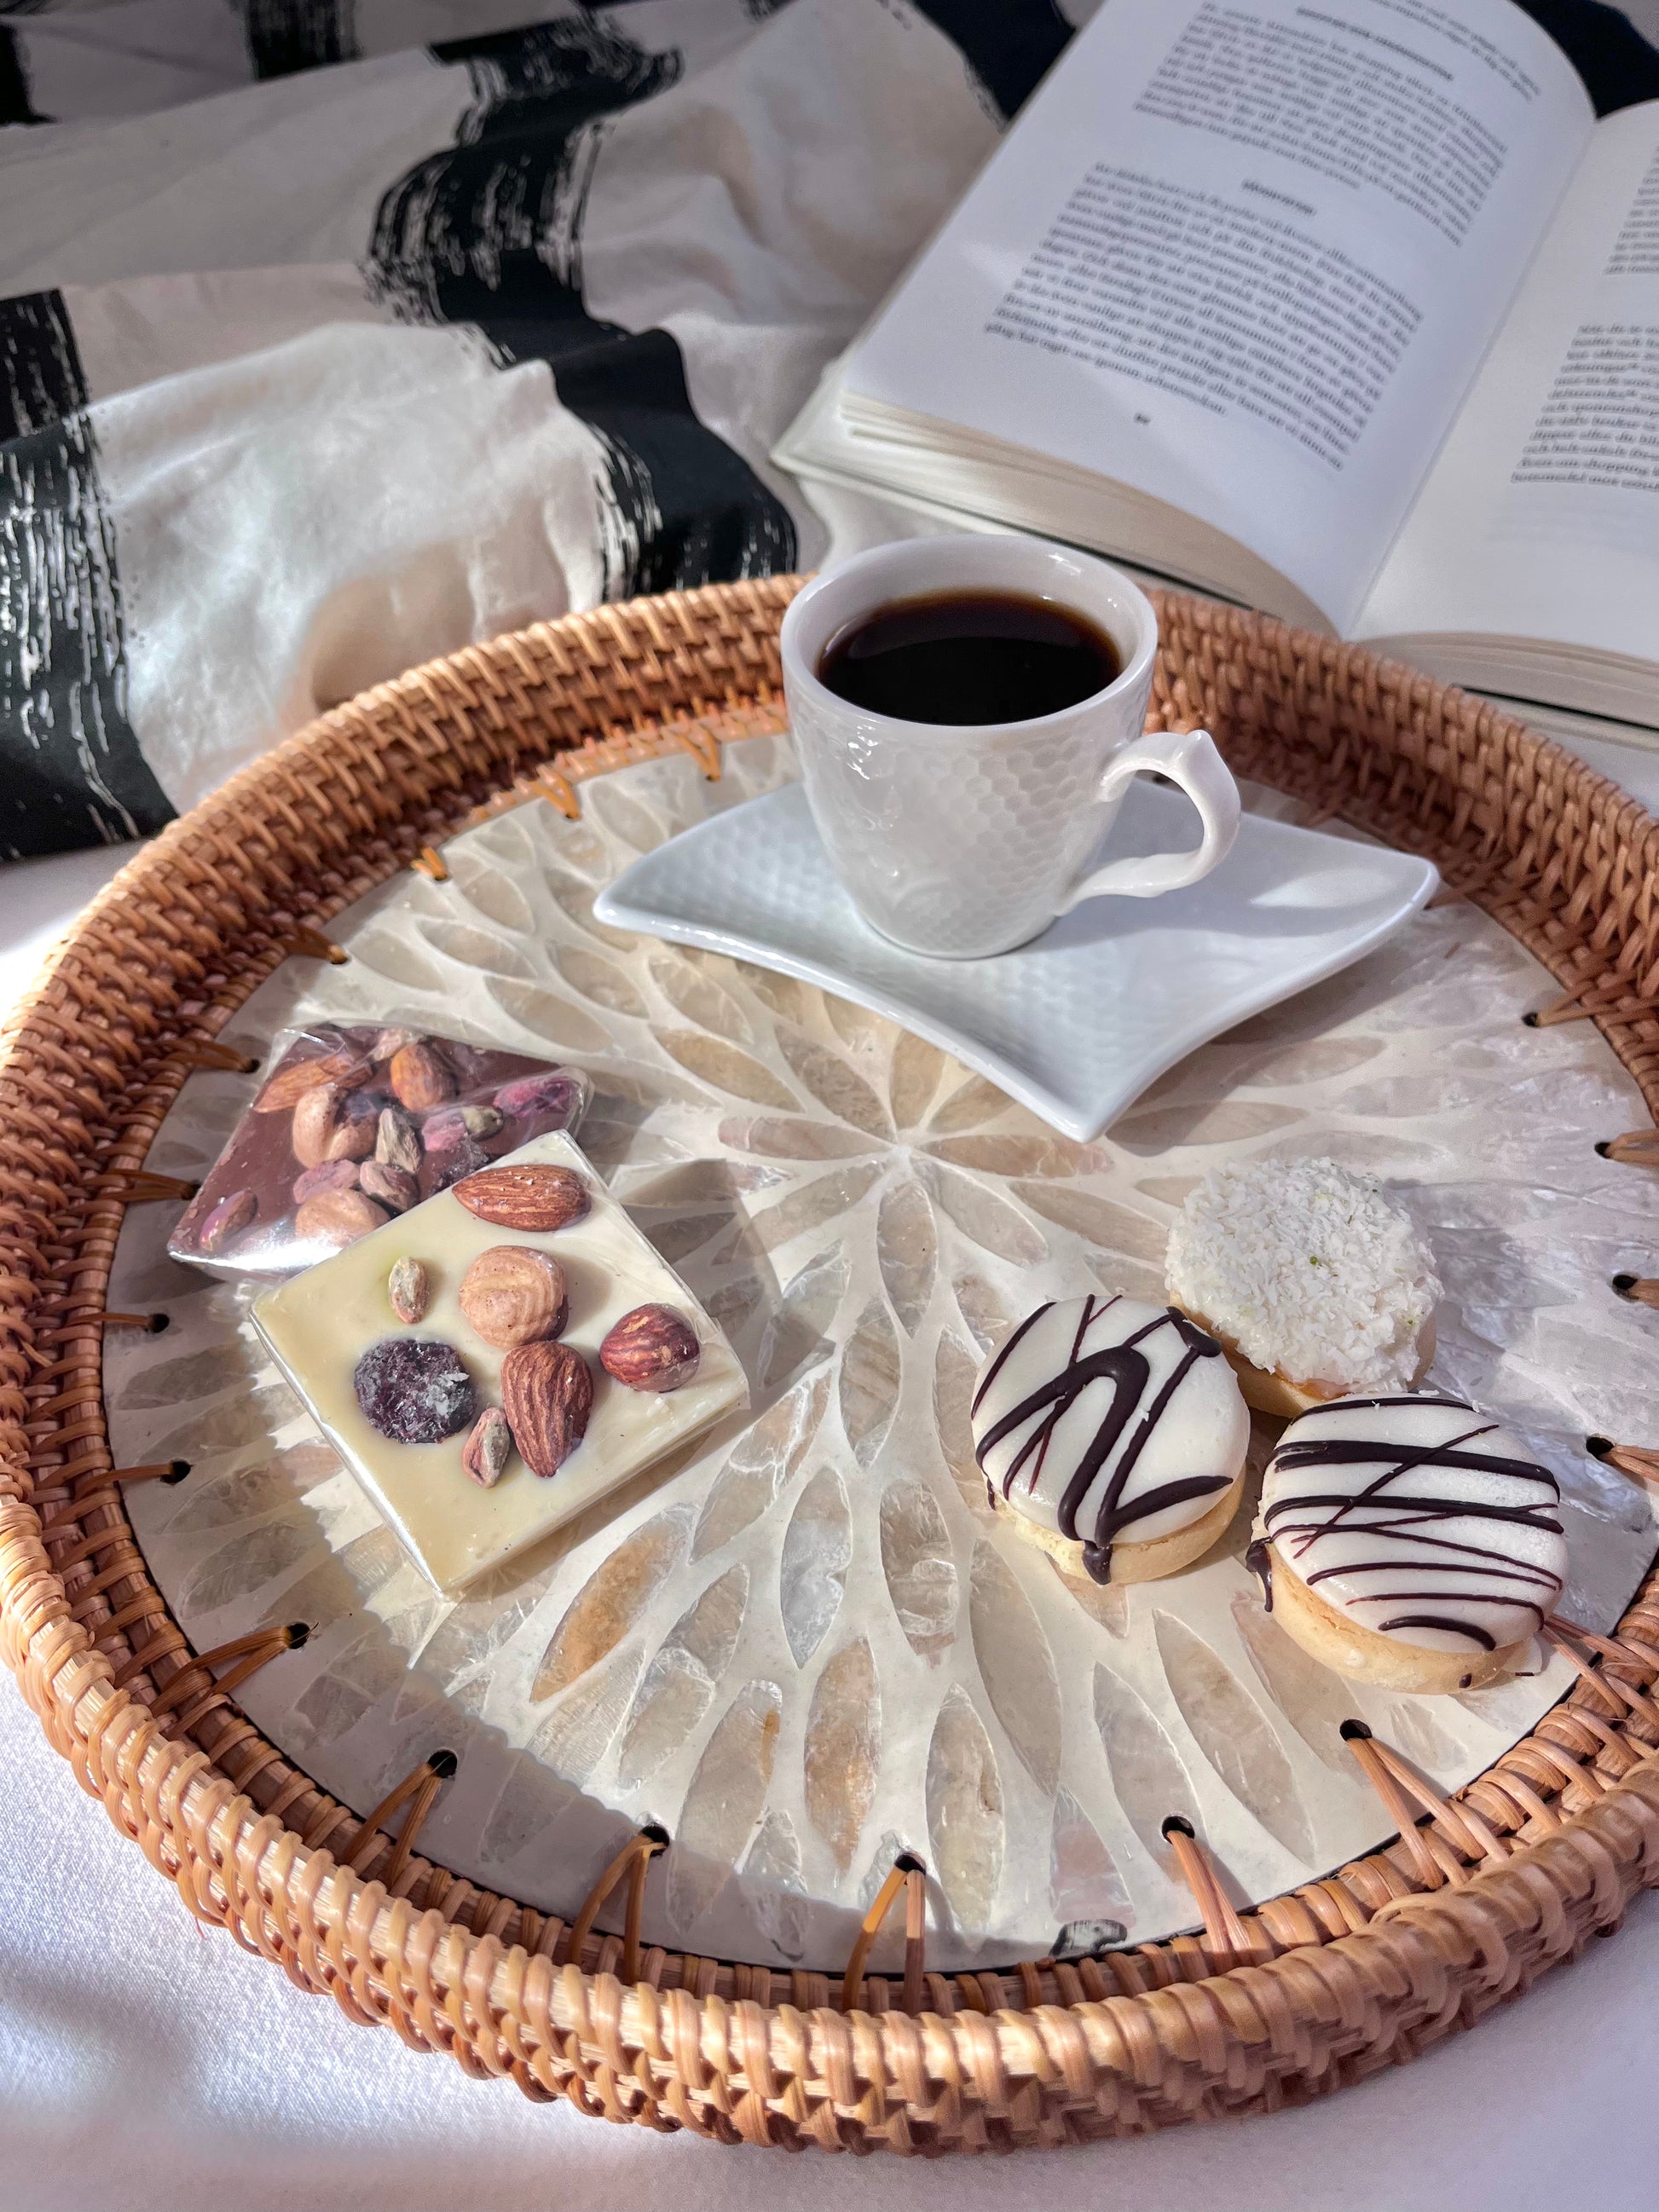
(1315, 1989)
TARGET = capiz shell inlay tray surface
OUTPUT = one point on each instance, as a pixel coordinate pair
(1077, 1024)
(810, 1645)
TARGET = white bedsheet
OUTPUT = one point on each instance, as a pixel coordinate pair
(224, 332)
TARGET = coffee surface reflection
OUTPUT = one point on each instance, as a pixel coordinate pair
(969, 658)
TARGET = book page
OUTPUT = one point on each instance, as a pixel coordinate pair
(1244, 258)
(1540, 518)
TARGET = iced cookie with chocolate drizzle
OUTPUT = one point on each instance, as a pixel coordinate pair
(1115, 1435)
(1409, 1541)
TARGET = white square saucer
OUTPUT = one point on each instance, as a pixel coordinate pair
(1076, 1025)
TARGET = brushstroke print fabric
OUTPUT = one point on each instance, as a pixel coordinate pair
(320, 355)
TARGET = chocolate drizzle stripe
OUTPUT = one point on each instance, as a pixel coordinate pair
(1258, 1559)
(1358, 1453)
(1156, 1501)
(1468, 1628)
(1406, 1596)
(1504, 1573)
(1053, 1422)
(1416, 1537)
(998, 1364)
(1422, 1509)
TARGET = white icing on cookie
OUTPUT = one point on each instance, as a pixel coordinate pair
(1419, 1518)
(1110, 1421)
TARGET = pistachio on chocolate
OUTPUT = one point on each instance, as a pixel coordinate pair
(396, 1140)
(443, 1163)
(226, 1220)
(352, 1136)
(409, 1287)
(473, 1120)
(487, 1451)
(392, 1187)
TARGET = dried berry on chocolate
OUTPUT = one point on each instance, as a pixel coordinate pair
(554, 1096)
(442, 1165)
(416, 1389)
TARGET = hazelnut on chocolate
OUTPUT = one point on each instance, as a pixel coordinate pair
(420, 1077)
(652, 1348)
(512, 1294)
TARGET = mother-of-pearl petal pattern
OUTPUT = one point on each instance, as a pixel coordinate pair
(808, 1645)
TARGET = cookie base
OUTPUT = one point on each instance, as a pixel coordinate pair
(1147, 1562)
(1347, 1647)
(1265, 1390)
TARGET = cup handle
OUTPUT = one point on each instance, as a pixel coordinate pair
(1189, 759)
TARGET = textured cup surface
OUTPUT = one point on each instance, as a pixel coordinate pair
(961, 841)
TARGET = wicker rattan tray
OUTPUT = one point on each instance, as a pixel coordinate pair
(1312, 1990)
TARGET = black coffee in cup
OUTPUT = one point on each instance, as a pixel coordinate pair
(969, 658)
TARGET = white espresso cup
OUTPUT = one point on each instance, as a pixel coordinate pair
(965, 840)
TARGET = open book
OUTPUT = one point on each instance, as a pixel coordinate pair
(1347, 311)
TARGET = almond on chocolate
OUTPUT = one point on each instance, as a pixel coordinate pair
(547, 1394)
(283, 1092)
(531, 1197)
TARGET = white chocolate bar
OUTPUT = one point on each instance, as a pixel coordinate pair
(319, 1325)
